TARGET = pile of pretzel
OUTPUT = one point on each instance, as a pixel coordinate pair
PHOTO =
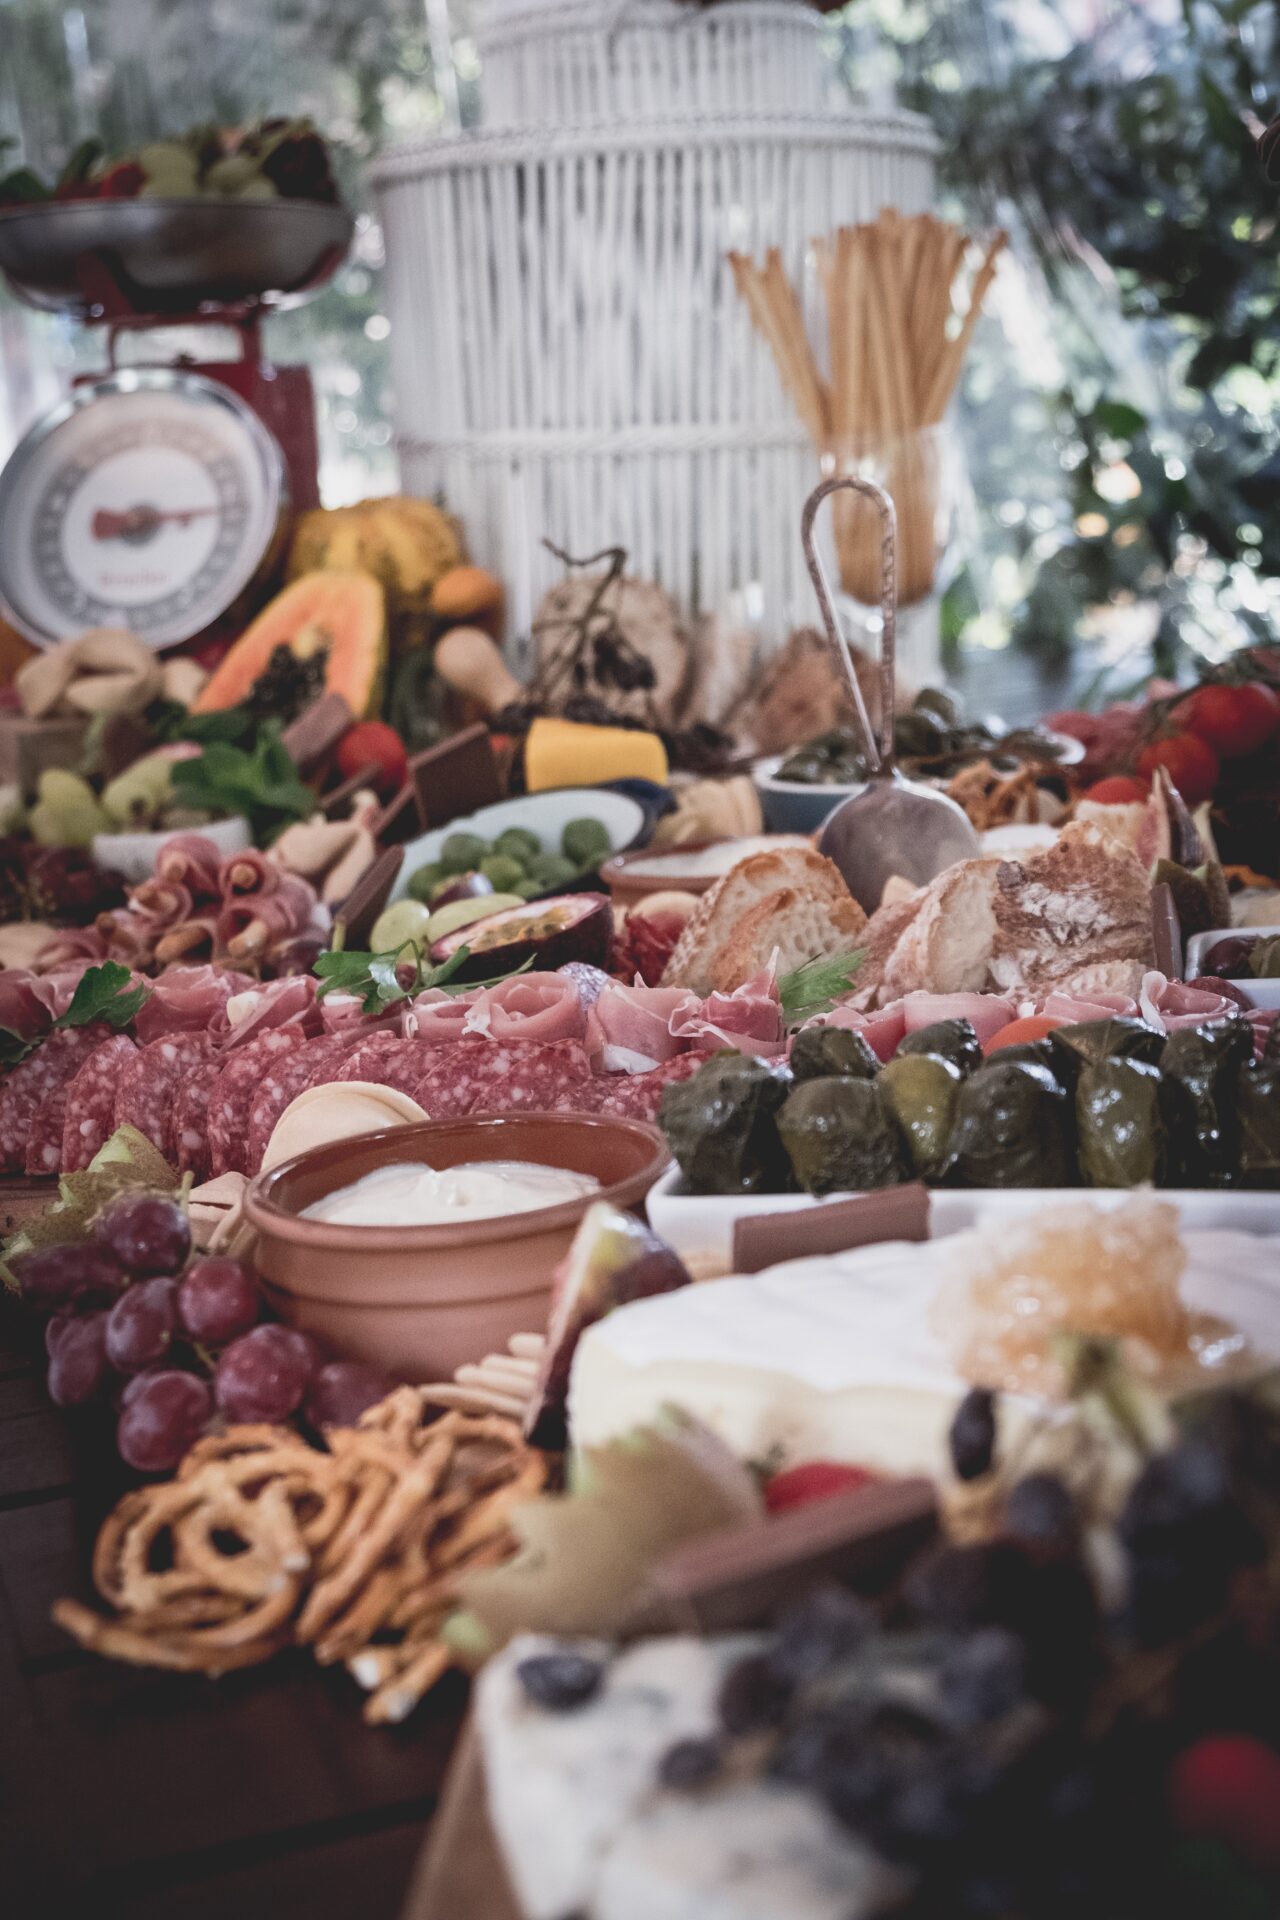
(263, 1541)
(995, 799)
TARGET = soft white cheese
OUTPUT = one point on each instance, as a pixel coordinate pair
(836, 1357)
(586, 1828)
(415, 1195)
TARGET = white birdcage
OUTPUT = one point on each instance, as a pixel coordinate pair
(570, 357)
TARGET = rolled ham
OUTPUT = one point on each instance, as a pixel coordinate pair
(438, 1016)
(188, 1000)
(280, 1003)
(190, 860)
(532, 1006)
(749, 1019)
(633, 1029)
(985, 1012)
(883, 1030)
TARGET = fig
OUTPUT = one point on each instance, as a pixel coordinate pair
(614, 1259)
(462, 886)
(547, 933)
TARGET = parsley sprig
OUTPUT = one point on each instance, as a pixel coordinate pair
(103, 994)
(380, 980)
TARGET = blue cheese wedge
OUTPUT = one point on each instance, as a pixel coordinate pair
(585, 1827)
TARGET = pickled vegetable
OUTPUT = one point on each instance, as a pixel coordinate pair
(1202, 1068)
(517, 843)
(839, 1136)
(1120, 1124)
(1013, 1128)
(819, 1052)
(425, 880)
(953, 1040)
(463, 851)
(586, 842)
(722, 1126)
(920, 1090)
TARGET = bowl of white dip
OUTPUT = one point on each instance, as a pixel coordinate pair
(421, 1247)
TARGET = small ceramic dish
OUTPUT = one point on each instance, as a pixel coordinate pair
(421, 1301)
(633, 877)
(1260, 993)
(134, 855)
(627, 823)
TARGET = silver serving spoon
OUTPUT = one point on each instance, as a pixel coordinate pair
(892, 825)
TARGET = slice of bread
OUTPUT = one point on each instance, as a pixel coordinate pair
(947, 947)
(788, 898)
(1082, 904)
(885, 928)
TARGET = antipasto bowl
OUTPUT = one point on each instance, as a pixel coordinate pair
(424, 1300)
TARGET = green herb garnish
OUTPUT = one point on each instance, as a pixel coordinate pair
(374, 978)
(104, 994)
(817, 986)
(262, 783)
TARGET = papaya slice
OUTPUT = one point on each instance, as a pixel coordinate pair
(343, 614)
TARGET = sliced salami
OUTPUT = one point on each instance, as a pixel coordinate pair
(388, 1060)
(189, 1116)
(148, 1086)
(89, 1116)
(486, 1076)
(231, 1095)
(287, 1077)
(32, 1082)
(638, 1096)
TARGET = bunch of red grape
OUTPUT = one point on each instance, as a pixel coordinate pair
(179, 1342)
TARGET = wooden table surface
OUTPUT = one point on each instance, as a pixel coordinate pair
(132, 1795)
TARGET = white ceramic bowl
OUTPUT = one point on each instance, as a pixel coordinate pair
(134, 854)
(700, 1226)
(546, 814)
(1261, 993)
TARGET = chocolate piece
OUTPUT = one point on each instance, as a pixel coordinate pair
(456, 778)
(312, 737)
(837, 1226)
(1166, 932)
(742, 1576)
(29, 747)
(368, 897)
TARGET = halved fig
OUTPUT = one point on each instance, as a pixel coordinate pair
(614, 1259)
(568, 926)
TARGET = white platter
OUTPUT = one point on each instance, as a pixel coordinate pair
(545, 814)
(700, 1226)
(1262, 993)
(134, 855)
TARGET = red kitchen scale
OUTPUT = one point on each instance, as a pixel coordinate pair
(154, 495)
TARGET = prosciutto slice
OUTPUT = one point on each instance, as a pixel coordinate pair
(533, 1006)
(883, 1030)
(1078, 1007)
(985, 1012)
(1171, 1004)
(633, 1029)
(188, 1000)
(190, 860)
(438, 1016)
(749, 1019)
(281, 1003)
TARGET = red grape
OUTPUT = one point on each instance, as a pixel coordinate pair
(164, 1417)
(264, 1374)
(219, 1299)
(147, 1232)
(78, 1365)
(343, 1390)
(49, 1277)
(140, 1326)
(54, 1328)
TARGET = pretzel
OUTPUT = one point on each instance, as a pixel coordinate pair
(263, 1540)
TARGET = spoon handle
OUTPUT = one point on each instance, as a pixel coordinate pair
(880, 757)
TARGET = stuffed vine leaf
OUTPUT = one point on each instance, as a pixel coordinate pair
(1013, 1128)
(1121, 1038)
(839, 1136)
(1202, 1067)
(721, 1126)
(817, 1053)
(1258, 1102)
(953, 1040)
(920, 1090)
(1120, 1124)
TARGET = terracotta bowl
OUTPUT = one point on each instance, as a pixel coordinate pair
(420, 1301)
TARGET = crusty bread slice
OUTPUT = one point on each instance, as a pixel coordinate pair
(1084, 903)
(825, 912)
(885, 928)
(947, 946)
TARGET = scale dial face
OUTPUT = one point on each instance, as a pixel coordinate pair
(149, 500)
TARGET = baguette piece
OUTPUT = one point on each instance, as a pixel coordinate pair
(788, 898)
(1078, 912)
(887, 925)
(946, 948)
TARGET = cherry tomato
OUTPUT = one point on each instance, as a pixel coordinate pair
(1120, 790)
(813, 1480)
(1235, 721)
(1036, 1026)
(1189, 761)
(1227, 1786)
(373, 744)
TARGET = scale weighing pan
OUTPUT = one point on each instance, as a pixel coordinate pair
(173, 256)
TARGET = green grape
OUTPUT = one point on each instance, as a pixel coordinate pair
(517, 843)
(504, 872)
(137, 797)
(398, 925)
(463, 852)
(425, 879)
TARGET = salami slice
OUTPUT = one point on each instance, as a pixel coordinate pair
(189, 1116)
(231, 1095)
(488, 1076)
(32, 1082)
(388, 1060)
(638, 1096)
(149, 1084)
(284, 1080)
(89, 1120)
